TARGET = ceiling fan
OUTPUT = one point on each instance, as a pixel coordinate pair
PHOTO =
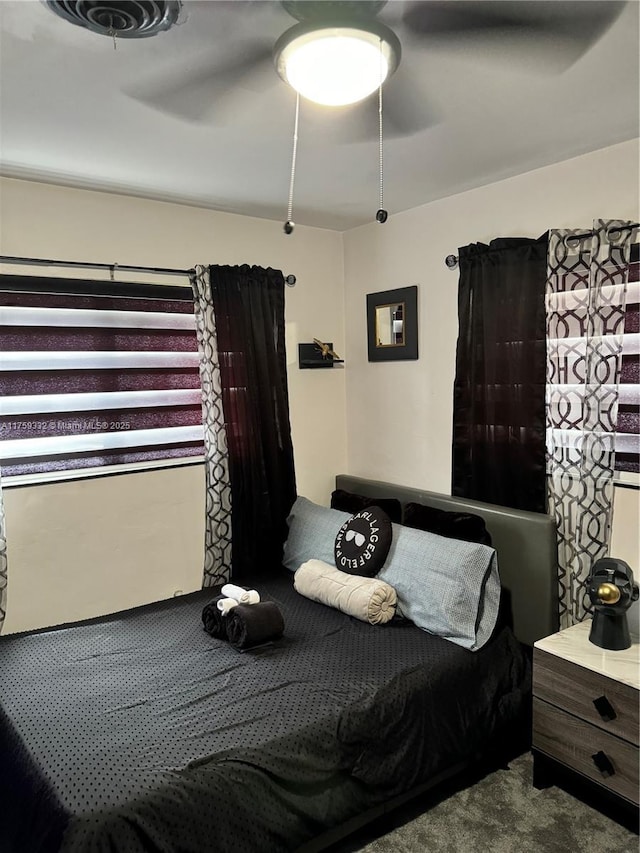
(368, 29)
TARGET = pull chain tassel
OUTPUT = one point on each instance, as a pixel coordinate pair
(381, 214)
(289, 225)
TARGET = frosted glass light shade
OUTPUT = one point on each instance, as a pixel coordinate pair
(336, 66)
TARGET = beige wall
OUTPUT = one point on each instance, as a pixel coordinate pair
(625, 540)
(399, 414)
(81, 548)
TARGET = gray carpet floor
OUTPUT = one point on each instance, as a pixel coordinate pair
(501, 813)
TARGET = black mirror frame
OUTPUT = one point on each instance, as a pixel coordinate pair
(401, 352)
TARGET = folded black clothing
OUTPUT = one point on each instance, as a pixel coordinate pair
(215, 623)
(251, 624)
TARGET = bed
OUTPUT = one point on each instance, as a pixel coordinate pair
(139, 732)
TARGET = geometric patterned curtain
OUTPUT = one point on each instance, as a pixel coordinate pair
(587, 276)
(3, 563)
(217, 545)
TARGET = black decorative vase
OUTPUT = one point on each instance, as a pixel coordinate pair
(612, 592)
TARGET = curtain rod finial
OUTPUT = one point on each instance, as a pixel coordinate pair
(451, 261)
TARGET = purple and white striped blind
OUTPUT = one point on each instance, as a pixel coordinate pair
(96, 374)
(628, 423)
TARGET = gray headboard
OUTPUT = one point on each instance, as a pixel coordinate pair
(525, 543)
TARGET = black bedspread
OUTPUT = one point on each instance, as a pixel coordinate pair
(139, 732)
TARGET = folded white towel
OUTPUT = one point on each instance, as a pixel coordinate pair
(368, 599)
(226, 604)
(242, 596)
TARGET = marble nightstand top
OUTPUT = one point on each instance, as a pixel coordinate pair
(573, 645)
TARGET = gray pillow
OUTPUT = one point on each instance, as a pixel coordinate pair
(445, 586)
(312, 533)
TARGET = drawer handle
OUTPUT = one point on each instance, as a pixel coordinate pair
(605, 709)
(603, 764)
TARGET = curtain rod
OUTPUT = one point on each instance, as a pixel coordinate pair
(290, 280)
(452, 260)
(41, 262)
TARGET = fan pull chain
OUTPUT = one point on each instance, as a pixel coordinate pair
(289, 225)
(381, 214)
(111, 32)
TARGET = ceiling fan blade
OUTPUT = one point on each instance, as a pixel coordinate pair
(405, 112)
(210, 90)
(405, 107)
(332, 10)
(343, 126)
(539, 26)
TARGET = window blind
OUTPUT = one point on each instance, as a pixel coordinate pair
(568, 351)
(628, 423)
(96, 374)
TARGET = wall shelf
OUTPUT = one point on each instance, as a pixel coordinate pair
(310, 358)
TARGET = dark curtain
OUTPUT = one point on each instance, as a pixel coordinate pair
(249, 313)
(499, 392)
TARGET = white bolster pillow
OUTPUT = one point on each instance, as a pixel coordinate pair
(368, 599)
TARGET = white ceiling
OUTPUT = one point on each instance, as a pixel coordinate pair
(67, 114)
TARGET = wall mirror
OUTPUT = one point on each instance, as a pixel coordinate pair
(392, 324)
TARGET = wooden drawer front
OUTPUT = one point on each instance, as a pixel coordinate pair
(573, 742)
(574, 688)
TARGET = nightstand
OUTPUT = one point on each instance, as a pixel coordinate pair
(585, 712)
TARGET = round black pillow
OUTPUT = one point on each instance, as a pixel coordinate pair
(363, 542)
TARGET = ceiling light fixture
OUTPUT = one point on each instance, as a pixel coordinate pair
(337, 65)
